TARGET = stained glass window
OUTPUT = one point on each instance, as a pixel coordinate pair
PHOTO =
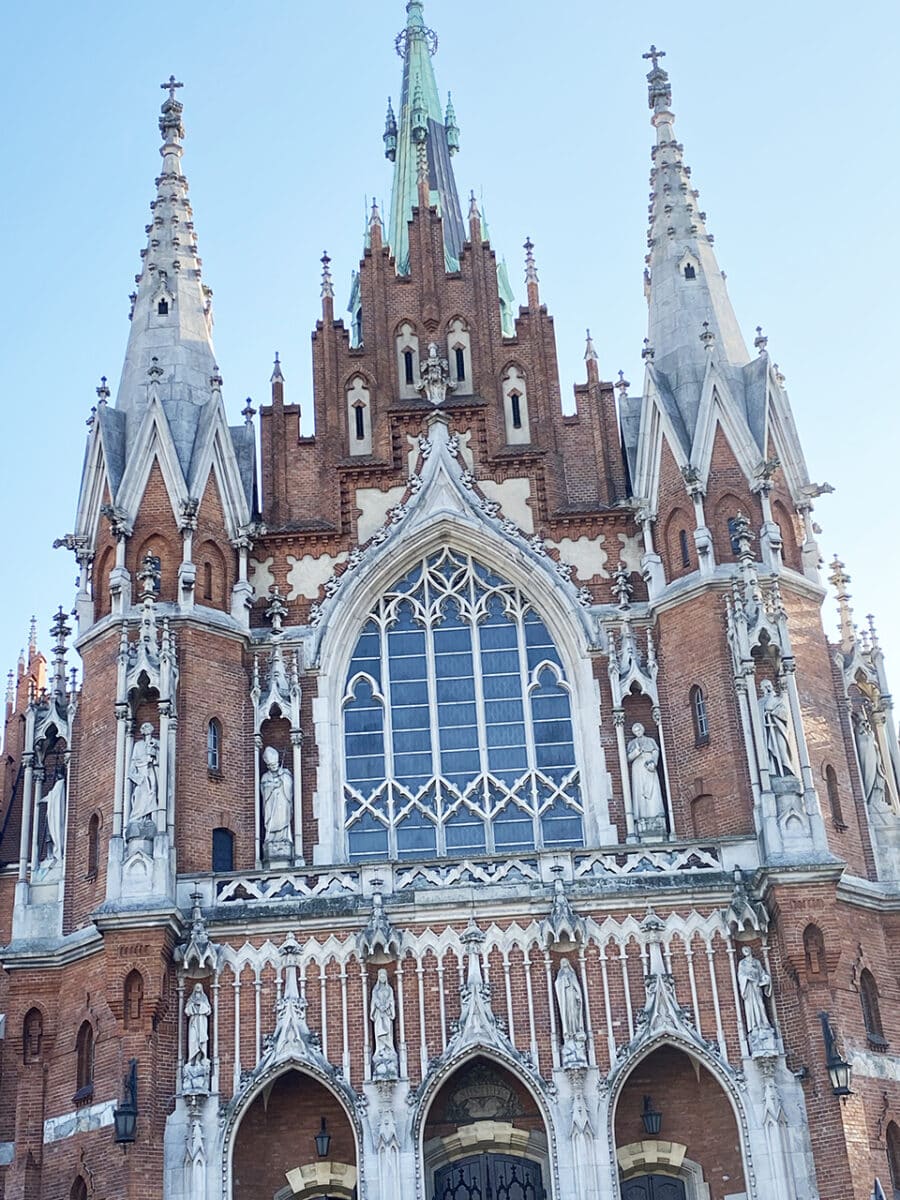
(457, 722)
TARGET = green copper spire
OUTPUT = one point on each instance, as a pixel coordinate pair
(422, 129)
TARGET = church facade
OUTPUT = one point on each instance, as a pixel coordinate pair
(464, 801)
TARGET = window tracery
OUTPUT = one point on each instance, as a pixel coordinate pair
(458, 732)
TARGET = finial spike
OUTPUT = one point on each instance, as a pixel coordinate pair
(531, 275)
(327, 281)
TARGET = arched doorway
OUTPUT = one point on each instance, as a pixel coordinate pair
(294, 1142)
(692, 1149)
(484, 1136)
(654, 1187)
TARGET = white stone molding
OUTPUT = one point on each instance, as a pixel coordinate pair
(444, 511)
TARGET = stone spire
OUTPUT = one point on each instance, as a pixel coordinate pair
(171, 318)
(691, 318)
(420, 145)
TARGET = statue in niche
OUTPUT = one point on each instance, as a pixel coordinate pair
(571, 1013)
(874, 777)
(646, 791)
(755, 984)
(435, 379)
(277, 789)
(195, 1076)
(55, 802)
(776, 722)
(143, 773)
(383, 1010)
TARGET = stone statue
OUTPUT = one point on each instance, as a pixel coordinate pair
(195, 1074)
(435, 379)
(755, 984)
(143, 773)
(571, 1013)
(55, 802)
(776, 721)
(874, 778)
(277, 788)
(382, 1010)
(646, 792)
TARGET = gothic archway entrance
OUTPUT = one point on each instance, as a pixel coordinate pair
(697, 1153)
(484, 1136)
(276, 1156)
(654, 1187)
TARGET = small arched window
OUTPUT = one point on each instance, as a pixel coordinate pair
(515, 406)
(222, 850)
(893, 1156)
(163, 308)
(84, 1064)
(684, 548)
(32, 1036)
(93, 846)
(689, 272)
(133, 999)
(814, 951)
(214, 746)
(79, 1190)
(359, 416)
(868, 999)
(834, 798)
(407, 360)
(699, 715)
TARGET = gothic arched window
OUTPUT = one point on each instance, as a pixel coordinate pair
(93, 846)
(868, 999)
(699, 714)
(457, 722)
(214, 746)
(79, 1190)
(893, 1157)
(84, 1064)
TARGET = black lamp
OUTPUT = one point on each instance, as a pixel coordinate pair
(838, 1068)
(323, 1141)
(651, 1117)
(125, 1116)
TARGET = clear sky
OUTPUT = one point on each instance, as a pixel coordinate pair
(786, 112)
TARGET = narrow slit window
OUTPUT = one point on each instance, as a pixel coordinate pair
(701, 719)
(685, 549)
(214, 745)
(516, 406)
(207, 581)
(163, 308)
(408, 367)
(359, 418)
(460, 355)
(93, 846)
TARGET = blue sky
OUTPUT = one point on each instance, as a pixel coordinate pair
(785, 111)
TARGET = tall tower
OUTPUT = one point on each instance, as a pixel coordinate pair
(477, 807)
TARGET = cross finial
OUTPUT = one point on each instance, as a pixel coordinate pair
(171, 85)
(654, 55)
